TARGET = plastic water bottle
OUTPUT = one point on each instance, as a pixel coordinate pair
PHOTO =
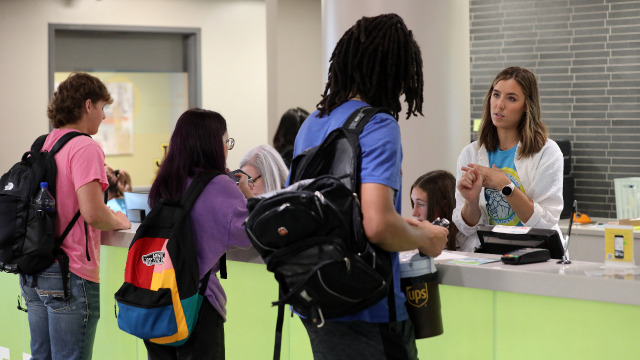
(44, 201)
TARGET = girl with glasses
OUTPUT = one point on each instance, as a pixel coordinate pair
(216, 218)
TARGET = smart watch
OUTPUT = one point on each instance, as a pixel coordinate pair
(507, 190)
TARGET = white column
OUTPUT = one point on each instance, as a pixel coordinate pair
(441, 28)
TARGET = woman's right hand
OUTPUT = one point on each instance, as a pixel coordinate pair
(470, 184)
(470, 187)
(243, 185)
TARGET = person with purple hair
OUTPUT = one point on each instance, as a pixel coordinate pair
(200, 142)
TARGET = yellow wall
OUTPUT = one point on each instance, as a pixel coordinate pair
(233, 61)
(157, 103)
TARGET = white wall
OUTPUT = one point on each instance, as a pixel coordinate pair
(294, 57)
(259, 57)
(234, 74)
(441, 28)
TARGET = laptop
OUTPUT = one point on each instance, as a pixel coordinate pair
(137, 206)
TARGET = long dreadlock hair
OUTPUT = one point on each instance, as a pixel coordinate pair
(377, 59)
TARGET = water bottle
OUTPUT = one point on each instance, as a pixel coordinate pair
(44, 201)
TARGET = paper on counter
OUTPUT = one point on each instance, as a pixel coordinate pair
(450, 255)
(510, 229)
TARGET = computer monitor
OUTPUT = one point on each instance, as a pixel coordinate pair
(500, 243)
(135, 203)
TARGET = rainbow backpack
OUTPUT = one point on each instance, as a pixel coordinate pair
(161, 297)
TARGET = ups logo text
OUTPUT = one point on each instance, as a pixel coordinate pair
(417, 297)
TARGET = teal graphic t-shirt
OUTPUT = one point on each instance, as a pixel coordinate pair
(499, 210)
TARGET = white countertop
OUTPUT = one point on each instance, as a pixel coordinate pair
(123, 238)
(578, 280)
(596, 227)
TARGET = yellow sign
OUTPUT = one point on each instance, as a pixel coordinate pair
(164, 147)
(476, 124)
(618, 245)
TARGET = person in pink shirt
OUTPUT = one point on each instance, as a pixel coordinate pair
(65, 328)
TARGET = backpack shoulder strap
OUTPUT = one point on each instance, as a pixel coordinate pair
(193, 192)
(37, 145)
(360, 118)
(64, 139)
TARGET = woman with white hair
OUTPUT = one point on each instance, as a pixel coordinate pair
(266, 168)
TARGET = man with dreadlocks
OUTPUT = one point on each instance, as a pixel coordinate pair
(374, 62)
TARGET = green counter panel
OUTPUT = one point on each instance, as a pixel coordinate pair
(541, 327)
(478, 324)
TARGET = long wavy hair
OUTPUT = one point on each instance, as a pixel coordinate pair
(377, 59)
(196, 145)
(531, 130)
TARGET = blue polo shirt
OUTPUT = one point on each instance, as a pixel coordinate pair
(381, 151)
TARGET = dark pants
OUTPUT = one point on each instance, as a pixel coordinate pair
(205, 343)
(338, 340)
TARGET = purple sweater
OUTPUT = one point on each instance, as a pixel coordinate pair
(216, 220)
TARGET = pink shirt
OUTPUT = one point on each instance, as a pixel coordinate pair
(79, 162)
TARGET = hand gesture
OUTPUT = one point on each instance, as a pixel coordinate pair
(470, 183)
(493, 177)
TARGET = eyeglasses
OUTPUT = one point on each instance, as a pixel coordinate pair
(252, 181)
(230, 142)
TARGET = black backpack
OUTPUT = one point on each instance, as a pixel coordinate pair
(27, 238)
(311, 237)
(160, 298)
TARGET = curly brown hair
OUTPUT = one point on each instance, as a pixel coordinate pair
(68, 100)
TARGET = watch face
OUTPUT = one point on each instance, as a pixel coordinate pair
(507, 190)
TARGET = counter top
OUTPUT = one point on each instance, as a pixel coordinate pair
(596, 227)
(578, 280)
(587, 240)
(123, 238)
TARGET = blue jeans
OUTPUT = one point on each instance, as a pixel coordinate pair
(61, 329)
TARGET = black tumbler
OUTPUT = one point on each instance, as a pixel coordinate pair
(419, 283)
